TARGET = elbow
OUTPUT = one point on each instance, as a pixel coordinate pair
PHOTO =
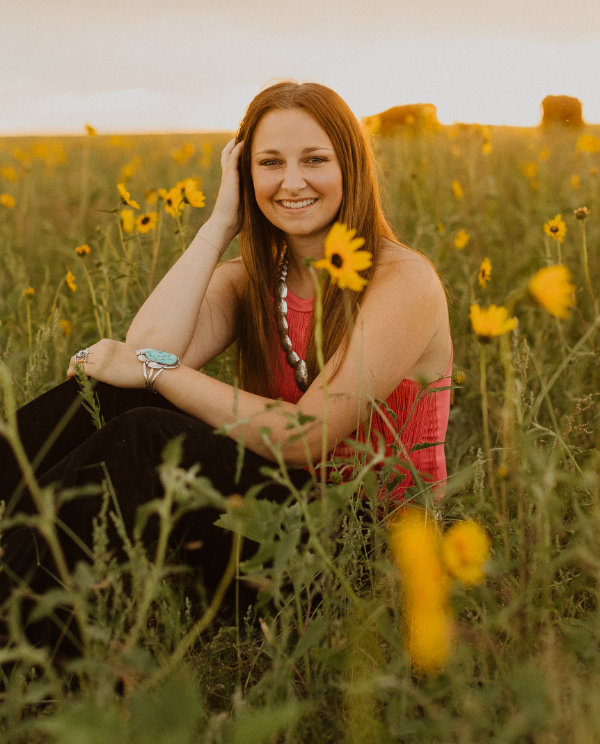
(147, 337)
(304, 451)
(136, 336)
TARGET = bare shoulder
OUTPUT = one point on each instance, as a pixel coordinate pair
(407, 285)
(410, 271)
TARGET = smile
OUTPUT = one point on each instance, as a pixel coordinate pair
(297, 204)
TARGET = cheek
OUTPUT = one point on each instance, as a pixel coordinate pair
(336, 190)
(262, 191)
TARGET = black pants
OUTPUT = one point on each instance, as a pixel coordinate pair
(129, 447)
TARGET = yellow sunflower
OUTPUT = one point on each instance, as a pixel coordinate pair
(465, 549)
(66, 327)
(343, 259)
(544, 153)
(556, 228)
(70, 280)
(28, 292)
(490, 322)
(552, 288)
(173, 201)
(127, 219)
(184, 154)
(9, 173)
(530, 169)
(82, 250)
(457, 190)
(146, 222)
(151, 197)
(90, 130)
(485, 272)
(8, 201)
(588, 143)
(461, 239)
(190, 193)
(126, 198)
(415, 546)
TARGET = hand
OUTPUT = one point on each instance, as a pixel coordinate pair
(227, 209)
(113, 362)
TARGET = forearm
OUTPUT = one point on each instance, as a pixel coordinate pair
(251, 419)
(168, 317)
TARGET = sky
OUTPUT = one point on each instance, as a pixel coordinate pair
(188, 65)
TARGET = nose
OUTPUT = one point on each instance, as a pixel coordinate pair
(293, 179)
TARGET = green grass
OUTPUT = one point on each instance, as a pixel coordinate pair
(320, 655)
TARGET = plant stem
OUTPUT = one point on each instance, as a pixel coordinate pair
(321, 365)
(586, 267)
(485, 419)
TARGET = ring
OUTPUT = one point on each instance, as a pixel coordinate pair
(81, 356)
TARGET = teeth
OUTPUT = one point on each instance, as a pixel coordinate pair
(298, 204)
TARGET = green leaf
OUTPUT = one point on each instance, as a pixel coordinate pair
(424, 445)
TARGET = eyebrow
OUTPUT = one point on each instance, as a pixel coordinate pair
(304, 152)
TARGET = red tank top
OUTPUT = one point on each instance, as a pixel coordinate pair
(412, 416)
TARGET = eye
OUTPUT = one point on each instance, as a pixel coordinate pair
(317, 159)
(269, 162)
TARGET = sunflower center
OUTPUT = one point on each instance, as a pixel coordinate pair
(145, 220)
(553, 228)
(337, 260)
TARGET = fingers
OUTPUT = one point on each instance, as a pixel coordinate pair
(231, 153)
(78, 361)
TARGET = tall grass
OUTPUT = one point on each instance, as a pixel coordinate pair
(319, 656)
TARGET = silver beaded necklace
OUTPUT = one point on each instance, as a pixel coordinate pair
(280, 306)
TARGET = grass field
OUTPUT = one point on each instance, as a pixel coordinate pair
(322, 656)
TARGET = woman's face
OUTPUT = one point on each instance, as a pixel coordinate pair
(296, 174)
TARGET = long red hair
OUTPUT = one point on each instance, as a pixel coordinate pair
(261, 242)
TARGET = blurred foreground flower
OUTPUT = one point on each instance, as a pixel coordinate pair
(415, 546)
(556, 228)
(485, 272)
(428, 562)
(552, 288)
(29, 292)
(465, 549)
(343, 259)
(490, 322)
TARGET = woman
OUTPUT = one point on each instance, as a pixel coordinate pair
(298, 165)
